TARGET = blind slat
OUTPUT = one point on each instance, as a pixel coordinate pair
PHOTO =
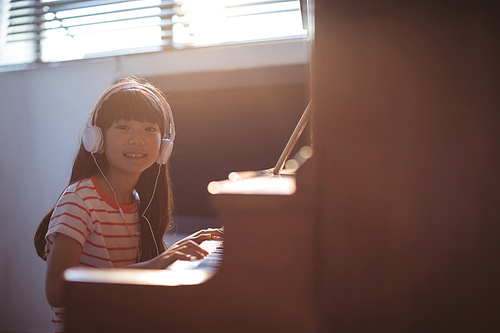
(165, 24)
(78, 4)
(40, 13)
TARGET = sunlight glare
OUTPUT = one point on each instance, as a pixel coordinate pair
(213, 22)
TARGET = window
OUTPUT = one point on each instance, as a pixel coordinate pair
(58, 30)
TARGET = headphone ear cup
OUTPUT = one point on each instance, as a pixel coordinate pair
(92, 139)
(165, 151)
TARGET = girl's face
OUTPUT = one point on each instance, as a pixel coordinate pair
(131, 147)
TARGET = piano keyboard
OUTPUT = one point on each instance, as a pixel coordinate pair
(211, 262)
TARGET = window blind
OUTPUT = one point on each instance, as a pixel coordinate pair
(37, 31)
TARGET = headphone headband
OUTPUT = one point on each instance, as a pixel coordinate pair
(133, 86)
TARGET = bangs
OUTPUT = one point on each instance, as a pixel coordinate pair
(130, 105)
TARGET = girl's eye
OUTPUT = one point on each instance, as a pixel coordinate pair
(121, 127)
(150, 129)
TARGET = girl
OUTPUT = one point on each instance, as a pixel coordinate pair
(118, 204)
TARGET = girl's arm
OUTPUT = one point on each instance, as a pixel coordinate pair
(187, 250)
(65, 253)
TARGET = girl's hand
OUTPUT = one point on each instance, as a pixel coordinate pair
(183, 250)
(205, 234)
(186, 249)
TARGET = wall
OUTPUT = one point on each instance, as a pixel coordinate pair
(42, 110)
(227, 121)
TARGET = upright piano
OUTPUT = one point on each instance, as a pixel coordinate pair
(265, 282)
(392, 225)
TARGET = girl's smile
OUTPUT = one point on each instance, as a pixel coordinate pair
(133, 155)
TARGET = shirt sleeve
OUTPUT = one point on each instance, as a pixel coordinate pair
(71, 217)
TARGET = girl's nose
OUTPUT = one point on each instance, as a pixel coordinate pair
(136, 139)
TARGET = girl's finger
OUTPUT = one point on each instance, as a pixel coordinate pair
(181, 256)
(196, 251)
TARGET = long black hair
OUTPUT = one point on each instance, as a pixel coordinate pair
(139, 105)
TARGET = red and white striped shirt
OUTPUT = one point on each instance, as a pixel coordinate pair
(85, 213)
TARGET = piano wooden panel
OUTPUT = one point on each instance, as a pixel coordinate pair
(407, 101)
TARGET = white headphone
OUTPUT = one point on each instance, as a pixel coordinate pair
(92, 137)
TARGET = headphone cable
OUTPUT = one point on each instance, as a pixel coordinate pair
(149, 204)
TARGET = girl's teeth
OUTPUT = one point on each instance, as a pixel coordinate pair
(134, 155)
